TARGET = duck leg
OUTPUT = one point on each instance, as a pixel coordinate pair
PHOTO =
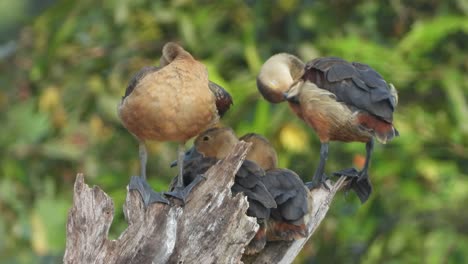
(319, 175)
(353, 172)
(180, 191)
(361, 183)
(140, 184)
(369, 148)
(143, 154)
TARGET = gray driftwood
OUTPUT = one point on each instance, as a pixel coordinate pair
(212, 227)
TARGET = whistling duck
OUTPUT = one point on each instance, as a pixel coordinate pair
(173, 102)
(341, 101)
(286, 222)
(215, 144)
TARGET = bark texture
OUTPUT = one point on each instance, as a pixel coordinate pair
(211, 227)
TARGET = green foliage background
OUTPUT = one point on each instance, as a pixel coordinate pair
(64, 69)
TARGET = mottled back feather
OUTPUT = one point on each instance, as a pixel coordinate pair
(247, 180)
(289, 192)
(354, 84)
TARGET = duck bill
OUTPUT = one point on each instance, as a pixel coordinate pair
(292, 95)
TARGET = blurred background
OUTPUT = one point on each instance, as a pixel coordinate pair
(64, 66)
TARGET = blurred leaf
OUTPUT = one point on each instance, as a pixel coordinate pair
(48, 221)
(453, 82)
(438, 245)
(294, 138)
(425, 35)
(25, 124)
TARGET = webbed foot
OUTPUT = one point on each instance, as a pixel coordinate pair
(360, 182)
(362, 188)
(148, 195)
(349, 172)
(182, 192)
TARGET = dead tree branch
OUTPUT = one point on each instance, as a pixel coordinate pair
(211, 227)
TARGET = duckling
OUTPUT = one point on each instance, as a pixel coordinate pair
(173, 102)
(286, 222)
(341, 101)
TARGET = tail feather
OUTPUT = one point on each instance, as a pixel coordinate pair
(380, 129)
(384, 136)
(282, 231)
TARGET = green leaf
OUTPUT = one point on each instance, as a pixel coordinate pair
(425, 35)
(24, 125)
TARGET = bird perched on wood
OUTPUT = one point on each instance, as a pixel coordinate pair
(215, 144)
(341, 101)
(277, 197)
(286, 221)
(173, 102)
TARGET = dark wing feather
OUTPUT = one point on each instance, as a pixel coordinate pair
(197, 166)
(223, 98)
(354, 84)
(246, 173)
(289, 192)
(137, 77)
(247, 181)
(258, 210)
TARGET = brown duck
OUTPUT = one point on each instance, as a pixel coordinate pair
(341, 101)
(173, 102)
(215, 144)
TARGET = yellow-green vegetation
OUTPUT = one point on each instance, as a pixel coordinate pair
(65, 68)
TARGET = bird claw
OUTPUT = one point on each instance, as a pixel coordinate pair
(349, 172)
(182, 193)
(314, 184)
(352, 173)
(148, 195)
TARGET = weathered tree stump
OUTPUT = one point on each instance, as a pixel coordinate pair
(211, 227)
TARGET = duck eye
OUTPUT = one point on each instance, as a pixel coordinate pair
(206, 138)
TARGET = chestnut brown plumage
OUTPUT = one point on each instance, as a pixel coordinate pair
(173, 102)
(341, 101)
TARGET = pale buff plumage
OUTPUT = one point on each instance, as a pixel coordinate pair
(171, 104)
(331, 119)
(277, 75)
